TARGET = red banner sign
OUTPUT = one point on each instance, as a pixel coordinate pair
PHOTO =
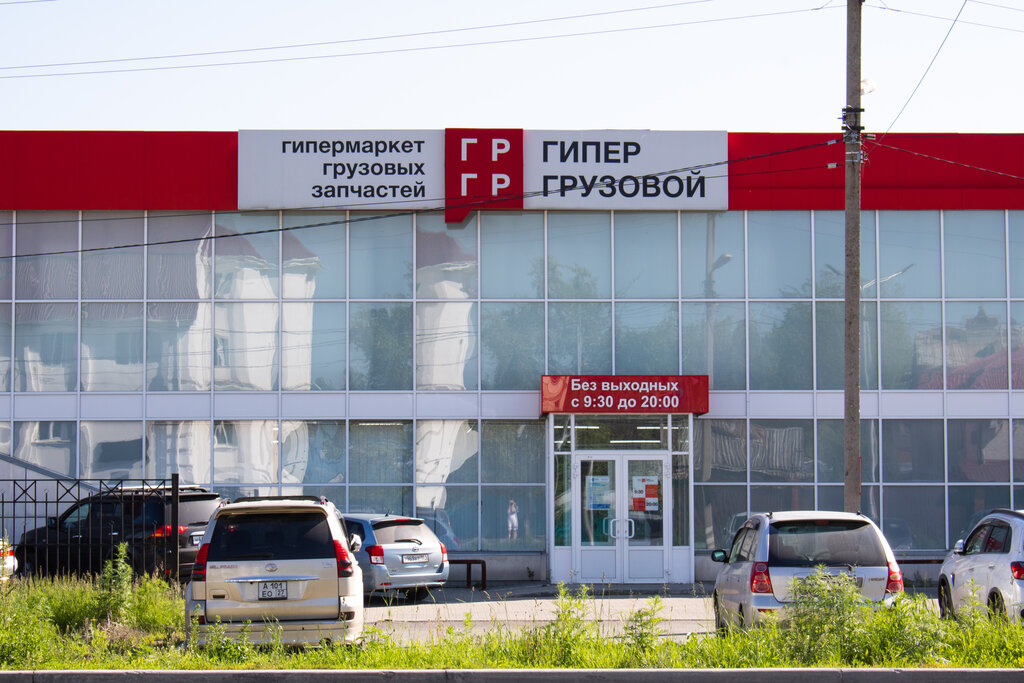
(624, 394)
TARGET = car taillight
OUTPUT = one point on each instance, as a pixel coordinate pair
(199, 567)
(376, 554)
(8, 552)
(760, 579)
(344, 560)
(1017, 570)
(895, 582)
(444, 553)
(167, 531)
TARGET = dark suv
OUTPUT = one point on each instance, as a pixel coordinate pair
(86, 535)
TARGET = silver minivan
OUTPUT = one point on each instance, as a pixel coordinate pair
(772, 550)
(398, 554)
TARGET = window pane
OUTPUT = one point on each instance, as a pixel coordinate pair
(831, 341)
(245, 452)
(178, 338)
(451, 513)
(911, 345)
(5, 347)
(780, 346)
(771, 498)
(380, 452)
(646, 338)
(314, 258)
(313, 452)
(976, 345)
(47, 277)
(446, 452)
(719, 450)
(112, 273)
(908, 247)
(782, 450)
(446, 345)
(646, 256)
(968, 504)
(112, 347)
(579, 255)
(718, 511)
(680, 501)
(380, 356)
(1016, 342)
(525, 531)
(380, 256)
(182, 447)
(6, 251)
(45, 347)
(719, 332)
(246, 265)
(512, 451)
(512, 255)
(50, 445)
(830, 254)
(621, 432)
(445, 258)
(713, 251)
(512, 345)
(395, 500)
(180, 269)
(563, 499)
(1016, 228)
(831, 498)
(780, 254)
(313, 346)
(1018, 453)
(111, 450)
(830, 451)
(912, 450)
(245, 347)
(580, 338)
(975, 254)
(979, 450)
(919, 509)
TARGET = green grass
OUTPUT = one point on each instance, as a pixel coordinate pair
(116, 622)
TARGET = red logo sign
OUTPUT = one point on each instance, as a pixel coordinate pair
(483, 171)
(624, 394)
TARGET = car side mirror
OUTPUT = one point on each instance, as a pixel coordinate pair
(355, 543)
(51, 522)
(719, 556)
(958, 547)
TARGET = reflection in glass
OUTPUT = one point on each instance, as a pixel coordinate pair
(979, 450)
(314, 258)
(713, 255)
(975, 254)
(780, 346)
(530, 521)
(112, 273)
(446, 264)
(579, 255)
(1017, 343)
(646, 338)
(717, 331)
(912, 450)
(380, 452)
(829, 324)
(830, 451)
(512, 451)
(112, 347)
(563, 499)
(680, 501)
(246, 265)
(831, 498)
(719, 450)
(54, 276)
(647, 502)
(446, 346)
(245, 346)
(1018, 453)
(968, 504)
(768, 498)
(245, 452)
(179, 446)
(313, 451)
(313, 346)
(380, 355)
(6, 251)
(380, 258)
(976, 345)
(718, 512)
(512, 255)
(48, 445)
(908, 248)
(915, 512)
(5, 347)
(451, 513)
(45, 347)
(646, 254)
(395, 500)
(446, 452)
(779, 260)
(597, 503)
(1016, 230)
(830, 254)
(621, 432)
(335, 494)
(111, 450)
(580, 338)
(911, 347)
(180, 259)
(782, 450)
(512, 345)
(178, 338)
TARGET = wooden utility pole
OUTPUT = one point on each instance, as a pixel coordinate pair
(851, 322)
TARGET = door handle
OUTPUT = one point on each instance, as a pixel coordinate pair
(606, 527)
(632, 527)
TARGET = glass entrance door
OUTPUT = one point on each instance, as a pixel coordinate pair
(622, 522)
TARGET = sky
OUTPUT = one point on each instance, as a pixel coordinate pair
(734, 65)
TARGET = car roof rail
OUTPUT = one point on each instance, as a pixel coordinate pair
(250, 499)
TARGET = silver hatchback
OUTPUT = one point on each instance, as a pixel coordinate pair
(772, 550)
(398, 554)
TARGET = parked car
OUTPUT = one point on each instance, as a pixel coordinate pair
(276, 563)
(986, 569)
(8, 563)
(773, 550)
(398, 554)
(86, 535)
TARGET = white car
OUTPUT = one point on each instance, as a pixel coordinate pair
(987, 569)
(772, 550)
(278, 567)
(8, 563)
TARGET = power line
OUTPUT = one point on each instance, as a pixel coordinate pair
(949, 161)
(965, 22)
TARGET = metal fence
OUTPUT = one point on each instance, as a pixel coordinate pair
(75, 526)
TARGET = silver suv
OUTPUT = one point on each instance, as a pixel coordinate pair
(398, 554)
(988, 568)
(772, 550)
(276, 563)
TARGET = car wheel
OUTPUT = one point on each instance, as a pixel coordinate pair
(996, 607)
(417, 594)
(741, 623)
(945, 601)
(721, 628)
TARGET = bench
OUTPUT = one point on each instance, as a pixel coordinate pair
(468, 563)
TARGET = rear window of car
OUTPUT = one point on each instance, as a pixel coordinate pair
(807, 543)
(395, 530)
(197, 510)
(271, 536)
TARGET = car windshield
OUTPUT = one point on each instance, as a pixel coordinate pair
(398, 530)
(271, 536)
(807, 543)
